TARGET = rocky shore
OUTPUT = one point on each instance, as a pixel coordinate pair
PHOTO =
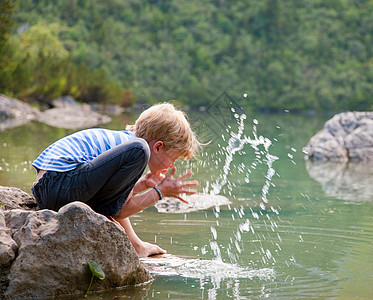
(66, 113)
(44, 254)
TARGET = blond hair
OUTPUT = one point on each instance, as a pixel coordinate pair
(163, 122)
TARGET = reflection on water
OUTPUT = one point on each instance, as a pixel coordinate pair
(346, 181)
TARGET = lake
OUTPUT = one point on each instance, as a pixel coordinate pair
(291, 229)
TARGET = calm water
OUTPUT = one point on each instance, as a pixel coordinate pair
(292, 229)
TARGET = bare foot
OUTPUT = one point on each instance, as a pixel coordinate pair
(146, 249)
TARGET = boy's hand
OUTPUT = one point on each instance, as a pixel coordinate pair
(148, 181)
(146, 249)
(153, 179)
(173, 187)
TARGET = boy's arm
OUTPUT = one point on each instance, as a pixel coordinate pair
(169, 187)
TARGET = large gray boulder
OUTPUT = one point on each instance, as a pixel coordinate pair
(45, 253)
(345, 137)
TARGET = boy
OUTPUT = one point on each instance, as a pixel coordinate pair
(102, 168)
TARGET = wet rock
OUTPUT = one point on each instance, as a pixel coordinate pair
(52, 251)
(348, 181)
(346, 137)
(196, 202)
(15, 198)
(15, 113)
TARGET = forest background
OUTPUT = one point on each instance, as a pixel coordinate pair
(305, 55)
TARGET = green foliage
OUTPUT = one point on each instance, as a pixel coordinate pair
(6, 11)
(291, 54)
(38, 65)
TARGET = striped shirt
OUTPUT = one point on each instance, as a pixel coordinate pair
(80, 147)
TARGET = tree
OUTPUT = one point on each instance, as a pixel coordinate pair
(6, 11)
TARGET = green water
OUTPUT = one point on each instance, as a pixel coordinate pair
(292, 230)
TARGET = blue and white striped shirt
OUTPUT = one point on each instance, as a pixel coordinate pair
(80, 147)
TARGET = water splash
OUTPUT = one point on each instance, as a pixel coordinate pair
(235, 146)
(202, 268)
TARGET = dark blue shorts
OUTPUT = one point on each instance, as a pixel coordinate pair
(103, 183)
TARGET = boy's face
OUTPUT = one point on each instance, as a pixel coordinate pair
(161, 159)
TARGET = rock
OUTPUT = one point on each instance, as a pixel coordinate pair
(53, 250)
(64, 101)
(15, 113)
(66, 114)
(73, 117)
(8, 246)
(346, 137)
(196, 202)
(13, 198)
(108, 109)
(348, 181)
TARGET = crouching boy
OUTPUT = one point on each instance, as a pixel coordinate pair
(103, 168)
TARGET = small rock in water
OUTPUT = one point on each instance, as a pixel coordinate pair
(196, 202)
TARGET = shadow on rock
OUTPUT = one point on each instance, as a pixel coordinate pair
(343, 180)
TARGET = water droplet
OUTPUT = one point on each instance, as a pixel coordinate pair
(214, 233)
(305, 150)
(269, 254)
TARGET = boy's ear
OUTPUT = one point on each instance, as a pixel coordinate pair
(158, 145)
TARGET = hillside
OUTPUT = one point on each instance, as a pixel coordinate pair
(290, 54)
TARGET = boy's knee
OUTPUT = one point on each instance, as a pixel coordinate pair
(143, 146)
(142, 151)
